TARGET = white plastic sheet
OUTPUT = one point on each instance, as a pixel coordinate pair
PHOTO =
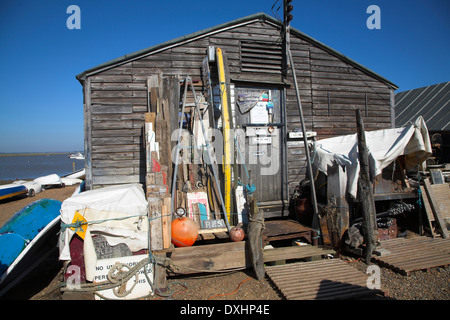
(125, 200)
(384, 147)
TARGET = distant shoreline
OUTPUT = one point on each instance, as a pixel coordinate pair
(32, 154)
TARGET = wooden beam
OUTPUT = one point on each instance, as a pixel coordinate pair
(336, 187)
(166, 223)
(156, 230)
(207, 258)
(294, 252)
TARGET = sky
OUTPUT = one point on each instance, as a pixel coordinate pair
(41, 102)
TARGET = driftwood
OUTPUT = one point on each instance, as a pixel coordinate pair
(255, 227)
(365, 191)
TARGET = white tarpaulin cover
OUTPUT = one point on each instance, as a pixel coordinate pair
(111, 204)
(384, 147)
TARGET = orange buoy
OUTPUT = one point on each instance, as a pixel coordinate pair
(184, 232)
(237, 233)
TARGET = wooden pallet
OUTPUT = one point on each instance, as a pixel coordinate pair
(295, 252)
(418, 253)
(323, 279)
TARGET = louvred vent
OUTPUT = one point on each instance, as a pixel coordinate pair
(259, 56)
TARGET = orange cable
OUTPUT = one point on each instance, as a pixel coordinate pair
(227, 294)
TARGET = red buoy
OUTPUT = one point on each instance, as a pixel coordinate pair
(184, 232)
(237, 233)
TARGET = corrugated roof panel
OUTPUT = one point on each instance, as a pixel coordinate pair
(421, 105)
(431, 102)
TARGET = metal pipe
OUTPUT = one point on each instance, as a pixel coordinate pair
(315, 222)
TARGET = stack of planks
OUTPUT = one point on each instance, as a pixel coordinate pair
(158, 162)
(436, 198)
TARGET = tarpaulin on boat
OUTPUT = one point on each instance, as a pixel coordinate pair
(384, 147)
(119, 213)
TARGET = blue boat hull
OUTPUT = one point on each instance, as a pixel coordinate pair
(11, 190)
(26, 233)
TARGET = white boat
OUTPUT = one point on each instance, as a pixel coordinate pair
(52, 180)
(79, 174)
(77, 156)
(32, 186)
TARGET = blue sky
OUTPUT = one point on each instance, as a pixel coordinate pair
(41, 102)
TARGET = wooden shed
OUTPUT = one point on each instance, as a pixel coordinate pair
(332, 87)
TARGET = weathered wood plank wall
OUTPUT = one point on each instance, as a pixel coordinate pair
(331, 89)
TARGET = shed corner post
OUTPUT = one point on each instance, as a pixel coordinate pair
(392, 106)
(87, 110)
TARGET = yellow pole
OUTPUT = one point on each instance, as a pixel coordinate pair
(226, 132)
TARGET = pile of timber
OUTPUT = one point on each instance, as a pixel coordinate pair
(436, 198)
(158, 166)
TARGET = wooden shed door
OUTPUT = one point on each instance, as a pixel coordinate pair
(258, 113)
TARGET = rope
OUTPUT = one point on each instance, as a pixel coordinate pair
(249, 188)
(419, 192)
(79, 223)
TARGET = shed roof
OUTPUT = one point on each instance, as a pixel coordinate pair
(219, 28)
(430, 102)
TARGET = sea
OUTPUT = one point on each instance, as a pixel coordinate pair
(32, 166)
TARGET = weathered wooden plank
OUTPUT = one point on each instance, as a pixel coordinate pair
(118, 116)
(293, 252)
(122, 132)
(167, 222)
(116, 148)
(112, 109)
(112, 171)
(103, 125)
(117, 101)
(110, 78)
(115, 179)
(113, 141)
(117, 86)
(155, 216)
(119, 156)
(435, 208)
(217, 257)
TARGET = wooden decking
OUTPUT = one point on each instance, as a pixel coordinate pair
(323, 279)
(418, 253)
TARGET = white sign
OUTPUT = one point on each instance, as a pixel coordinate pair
(258, 114)
(137, 285)
(262, 140)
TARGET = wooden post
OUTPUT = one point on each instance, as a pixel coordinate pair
(337, 187)
(254, 239)
(365, 191)
(167, 223)
(156, 230)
